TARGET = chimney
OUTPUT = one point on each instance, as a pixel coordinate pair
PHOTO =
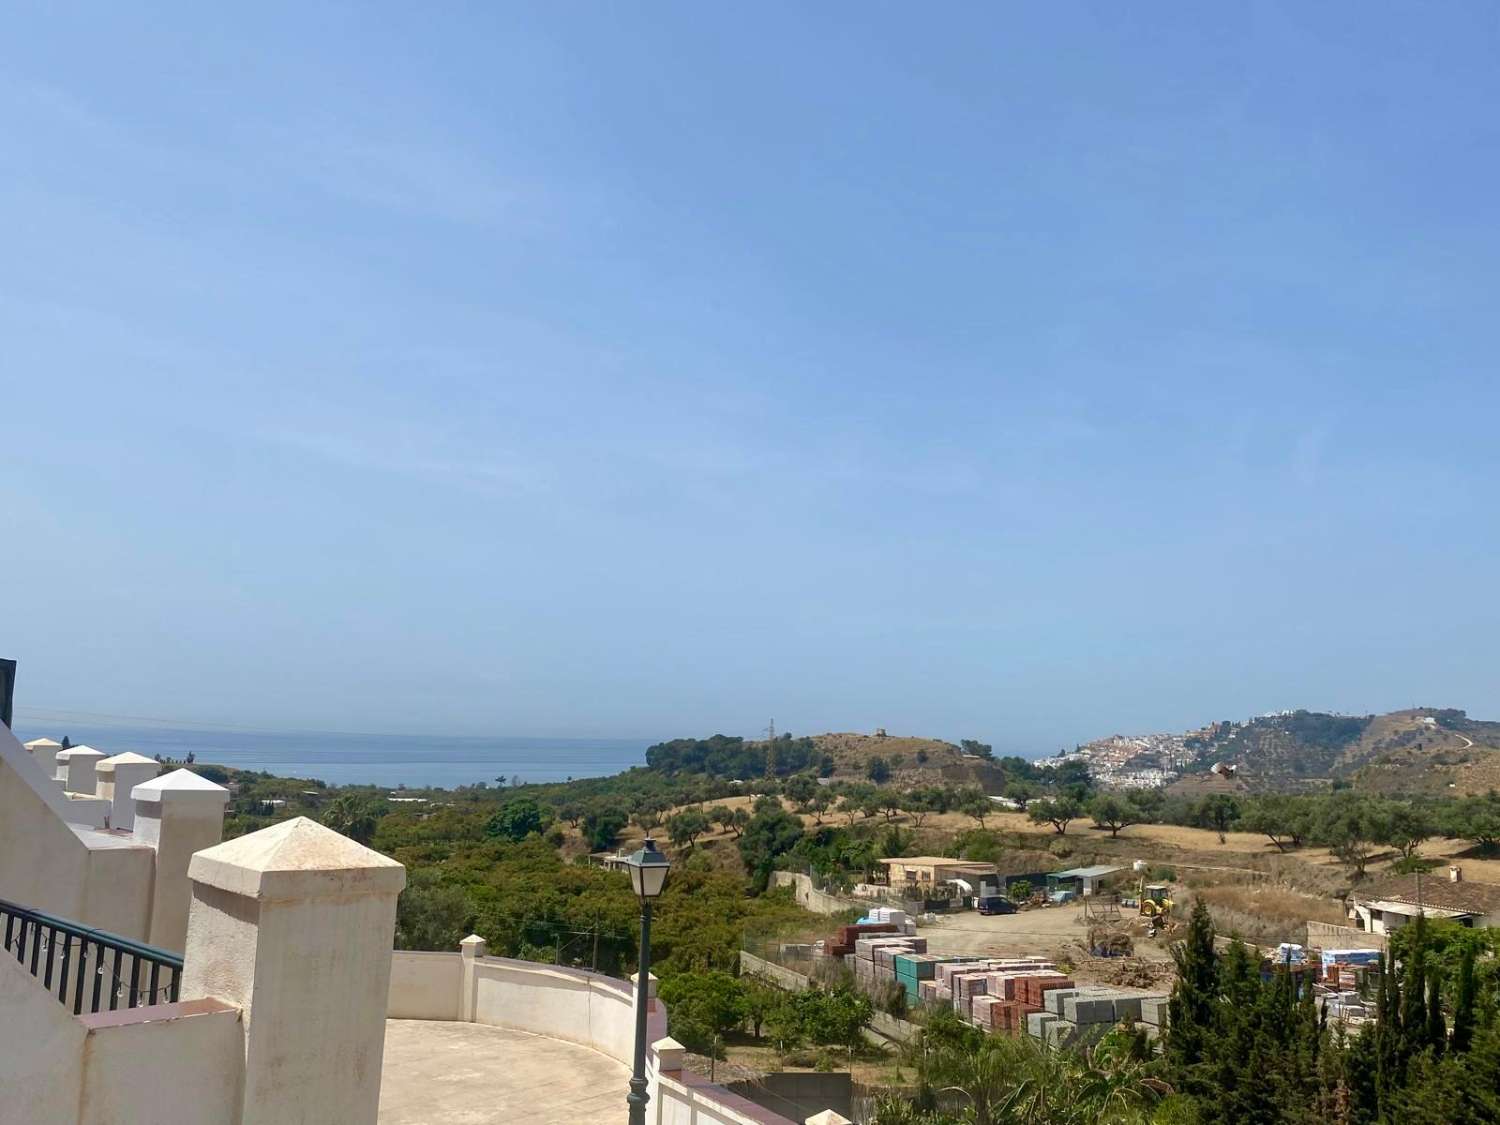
(1455, 873)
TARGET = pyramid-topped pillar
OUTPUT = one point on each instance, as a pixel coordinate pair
(178, 813)
(115, 781)
(44, 752)
(76, 767)
(294, 925)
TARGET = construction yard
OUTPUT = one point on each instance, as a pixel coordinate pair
(1057, 930)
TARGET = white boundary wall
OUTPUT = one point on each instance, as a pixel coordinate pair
(580, 1007)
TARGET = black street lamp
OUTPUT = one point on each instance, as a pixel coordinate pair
(648, 874)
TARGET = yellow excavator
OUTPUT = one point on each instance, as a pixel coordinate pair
(1156, 905)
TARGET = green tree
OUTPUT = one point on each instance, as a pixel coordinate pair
(431, 914)
(878, 770)
(1056, 811)
(685, 828)
(760, 1001)
(602, 825)
(1113, 812)
(1351, 826)
(353, 816)
(1405, 827)
(1191, 1023)
(1284, 820)
(1217, 811)
(977, 749)
(974, 803)
(1021, 792)
(516, 819)
(769, 834)
(1463, 1008)
(702, 1007)
(1477, 819)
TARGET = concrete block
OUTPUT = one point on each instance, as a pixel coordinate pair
(1154, 1010)
(1089, 1009)
(1127, 1007)
(1056, 998)
(1038, 1022)
(1060, 1033)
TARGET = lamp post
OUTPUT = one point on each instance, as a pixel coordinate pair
(648, 874)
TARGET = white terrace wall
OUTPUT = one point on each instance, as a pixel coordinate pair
(568, 1004)
(49, 865)
(176, 1064)
(426, 986)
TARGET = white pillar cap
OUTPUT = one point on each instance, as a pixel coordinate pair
(473, 946)
(828, 1117)
(78, 752)
(129, 758)
(669, 1053)
(181, 785)
(296, 859)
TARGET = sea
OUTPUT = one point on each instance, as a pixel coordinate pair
(389, 760)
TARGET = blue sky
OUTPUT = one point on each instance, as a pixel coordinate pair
(1021, 372)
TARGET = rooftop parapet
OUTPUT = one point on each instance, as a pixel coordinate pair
(178, 813)
(115, 781)
(76, 768)
(293, 924)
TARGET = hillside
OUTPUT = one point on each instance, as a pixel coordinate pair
(1422, 749)
(910, 759)
(846, 756)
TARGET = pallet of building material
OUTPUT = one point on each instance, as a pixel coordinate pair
(1057, 997)
(1034, 989)
(980, 1011)
(1154, 1010)
(1087, 1008)
(1038, 1022)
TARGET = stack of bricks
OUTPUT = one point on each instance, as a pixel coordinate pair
(1031, 989)
(965, 987)
(842, 943)
(981, 1011)
(1009, 1016)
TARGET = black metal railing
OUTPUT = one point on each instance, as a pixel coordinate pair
(91, 970)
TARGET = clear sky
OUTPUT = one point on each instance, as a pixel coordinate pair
(1021, 372)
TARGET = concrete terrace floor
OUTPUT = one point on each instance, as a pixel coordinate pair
(439, 1073)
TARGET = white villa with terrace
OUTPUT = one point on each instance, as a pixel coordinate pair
(153, 974)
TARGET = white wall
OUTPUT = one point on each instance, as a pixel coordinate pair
(181, 1070)
(167, 1065)
(425, 986)
(49, 865)
(41, 1053)
(578, 1007)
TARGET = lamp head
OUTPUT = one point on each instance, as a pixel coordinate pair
(648, 871)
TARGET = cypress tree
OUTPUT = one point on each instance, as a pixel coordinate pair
(1190, 1020)
(1414, 992)
(1437, 1031)
(1387, 1040)
(1463, 1008)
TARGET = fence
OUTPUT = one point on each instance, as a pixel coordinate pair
(99, 969)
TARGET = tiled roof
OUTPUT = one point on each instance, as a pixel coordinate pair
(1437, 890)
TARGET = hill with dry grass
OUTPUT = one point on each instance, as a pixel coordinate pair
(1417, 750)
(911, 760)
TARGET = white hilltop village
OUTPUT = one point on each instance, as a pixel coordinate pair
(154, 974)
(1140, 761)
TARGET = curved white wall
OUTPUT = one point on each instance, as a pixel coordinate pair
(569, 1004)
